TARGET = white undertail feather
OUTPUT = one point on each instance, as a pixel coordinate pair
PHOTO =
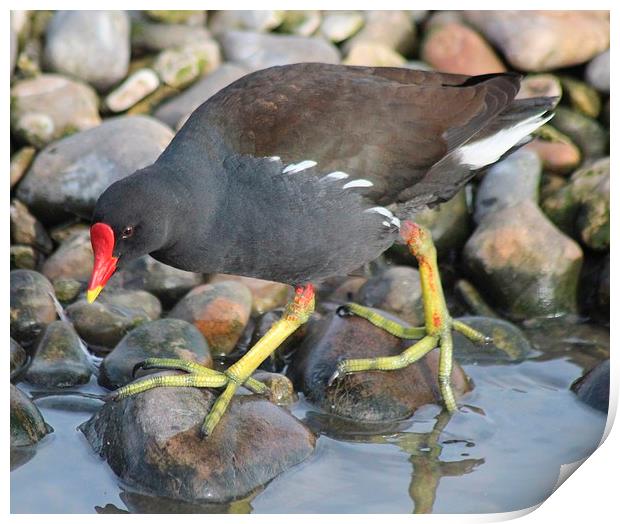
(296, 168)
(480, 153)
(359, 182)
(336, 175)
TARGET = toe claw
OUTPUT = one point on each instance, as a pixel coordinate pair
(335, 375)
(344, 311)
(487, 341)
(139, 365)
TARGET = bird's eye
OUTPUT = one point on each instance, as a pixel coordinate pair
(127, 232)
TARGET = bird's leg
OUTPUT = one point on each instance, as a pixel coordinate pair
(438, 325)
(239, 374)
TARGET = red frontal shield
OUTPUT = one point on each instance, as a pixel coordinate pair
(102, 240)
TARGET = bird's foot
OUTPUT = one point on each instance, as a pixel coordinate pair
(237, 375)
(437, 331)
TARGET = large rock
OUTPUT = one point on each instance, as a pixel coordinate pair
(507, 183)
(456, 48)
(60, 360)
(48, 107)
(163, 338)
(176, 110)
(593, 387)
(259, 51)
(151, 441)
(114, 313)
(396, 290)
(523, 264)
(69, 175)
(167, 283)
(27, 424)
(219, 311)
(73, 259)
(582, 207)
(32, 305)
(90, 45)
(544, 40)
(266, 295)
(18, 358)
(368, 396)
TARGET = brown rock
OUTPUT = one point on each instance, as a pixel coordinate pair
(455, 48)
(367, 396)
(266, 295)
(558, 155)
(26, 229)
(220, 312)
(544, 40)
(73, 259)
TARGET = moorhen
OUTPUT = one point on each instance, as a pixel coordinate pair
(302, 172)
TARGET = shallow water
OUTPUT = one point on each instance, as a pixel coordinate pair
(501, 452)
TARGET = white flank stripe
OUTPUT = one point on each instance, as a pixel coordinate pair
(296, 168)
(273, 158)
(484, 152)
(386, 223)
(336, 175)
(381, 210)
(360, 182)
(396, 222)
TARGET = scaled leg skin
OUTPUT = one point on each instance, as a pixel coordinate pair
(239, 374)
(438, 325)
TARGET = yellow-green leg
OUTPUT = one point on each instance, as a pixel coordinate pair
(239, 374)
(438, 325)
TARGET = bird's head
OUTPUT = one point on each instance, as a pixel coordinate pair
(130, 220)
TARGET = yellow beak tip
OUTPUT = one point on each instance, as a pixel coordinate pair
(92, 294)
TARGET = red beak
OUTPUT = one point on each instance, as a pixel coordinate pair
(102, 240)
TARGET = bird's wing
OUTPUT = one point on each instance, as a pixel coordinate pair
(387, 125)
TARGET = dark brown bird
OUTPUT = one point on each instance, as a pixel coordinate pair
(302, 172)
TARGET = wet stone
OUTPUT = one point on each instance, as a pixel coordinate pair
(396, 290)
(90, 45)
(151, 441)
(582, 97)
(509, 345)
(587, 133)
(106, 321)
(177, 109)
(259, 51)
(523, 264)
(456, 48)
(556, 151)
(26, 229)
(371, 396)
(68, 176)
(220, 312)
(281, 391)
(32, 305)
(27, 424)
(163, 338)
(507, 183)
(18, 358)
(48, 107)
(167, 283)
(25, 257)
(181, 66)
(62, 232)
(593, 387)
(73, 259)
(59, 360)
(266, 295)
